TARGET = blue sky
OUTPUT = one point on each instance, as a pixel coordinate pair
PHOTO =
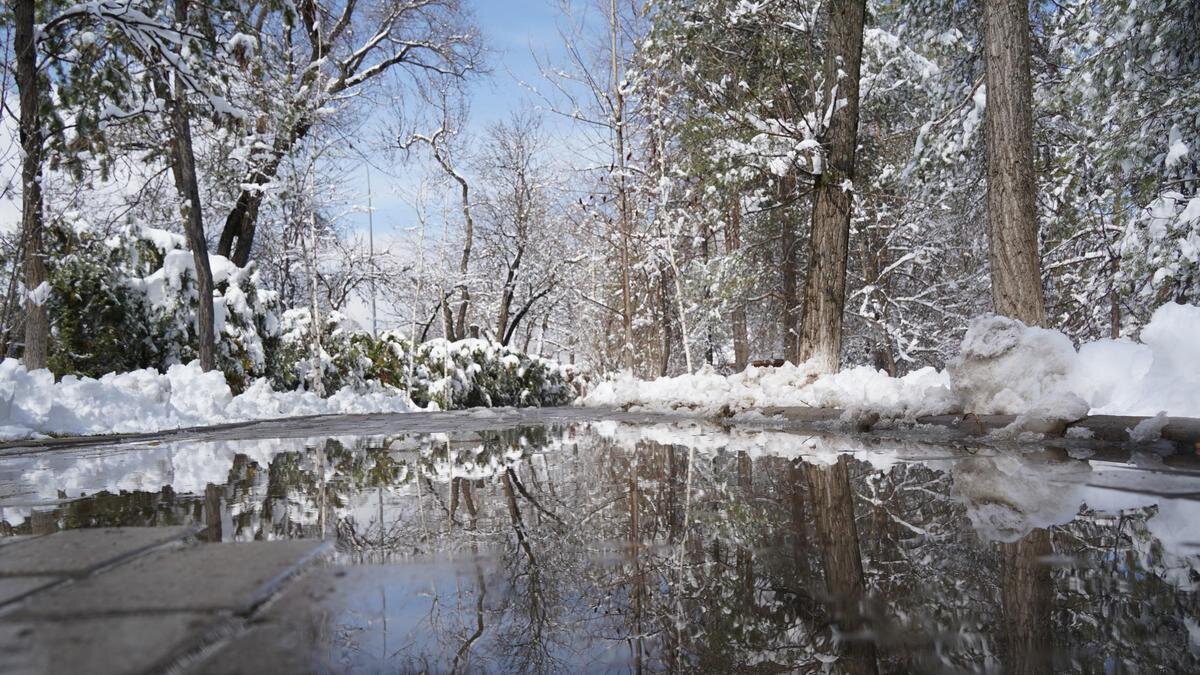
(512, 30)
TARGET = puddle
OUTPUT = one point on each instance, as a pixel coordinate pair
(608, 546)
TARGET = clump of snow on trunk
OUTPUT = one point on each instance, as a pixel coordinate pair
(1149, 429)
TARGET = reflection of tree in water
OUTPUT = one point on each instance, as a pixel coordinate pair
(583, 545)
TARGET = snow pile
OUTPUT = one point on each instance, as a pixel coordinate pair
(1008, 367)
(923, 392)
(146, 400)
(1004, 367)
(1160, 374)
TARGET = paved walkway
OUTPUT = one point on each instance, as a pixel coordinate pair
(136, 600)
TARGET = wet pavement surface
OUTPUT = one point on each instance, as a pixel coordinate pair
(593, 541)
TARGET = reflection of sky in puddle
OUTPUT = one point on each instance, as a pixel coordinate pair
(673, 546)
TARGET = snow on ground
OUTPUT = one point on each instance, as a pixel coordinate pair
(923, 392)
(1004, 367)
(32, 403)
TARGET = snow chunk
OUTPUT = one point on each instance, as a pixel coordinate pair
(1149, 429)
(1125, 378)
(923, 392)
(1004, 367)
(1007, 368)
(1176, 149)
(1007, 496)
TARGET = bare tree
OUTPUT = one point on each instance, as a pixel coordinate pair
(1011, 182)
(348, 48)
(825, 284)
(625, 223)
(517, 211)
(439, 146)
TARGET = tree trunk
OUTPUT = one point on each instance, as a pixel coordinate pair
(465, 263)
(506, 296)
(37, 322)
(237, 236)
(1011, 181)
(733, 242)
(825, 283)
(790, 248)
(837, 534)
(1026, 597)
(183, 167)
(664, 295)
(625, 223)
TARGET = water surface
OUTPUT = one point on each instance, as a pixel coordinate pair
(685, 547)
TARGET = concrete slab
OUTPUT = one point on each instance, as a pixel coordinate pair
(103, 646)
(4, 541)
(15, 588)
(232, 577)
(79, 552)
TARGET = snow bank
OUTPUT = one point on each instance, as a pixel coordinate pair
(1004, 367)
(923, 392)
(1119, 377)
(33, 403)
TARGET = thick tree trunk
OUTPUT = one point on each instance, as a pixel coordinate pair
(825, 284)
(837, 534)
(1011, 181)
(37, 322)
(1027, 594)
(465, 264)
(183, 167)
(733, 242)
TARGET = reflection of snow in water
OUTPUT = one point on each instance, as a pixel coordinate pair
(1007, 496)
(184, 467)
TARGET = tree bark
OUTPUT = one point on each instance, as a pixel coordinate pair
(664, 296)
(833, 199)
(183, 167)
(464, 264)
(37, 321)
(1011, 181)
